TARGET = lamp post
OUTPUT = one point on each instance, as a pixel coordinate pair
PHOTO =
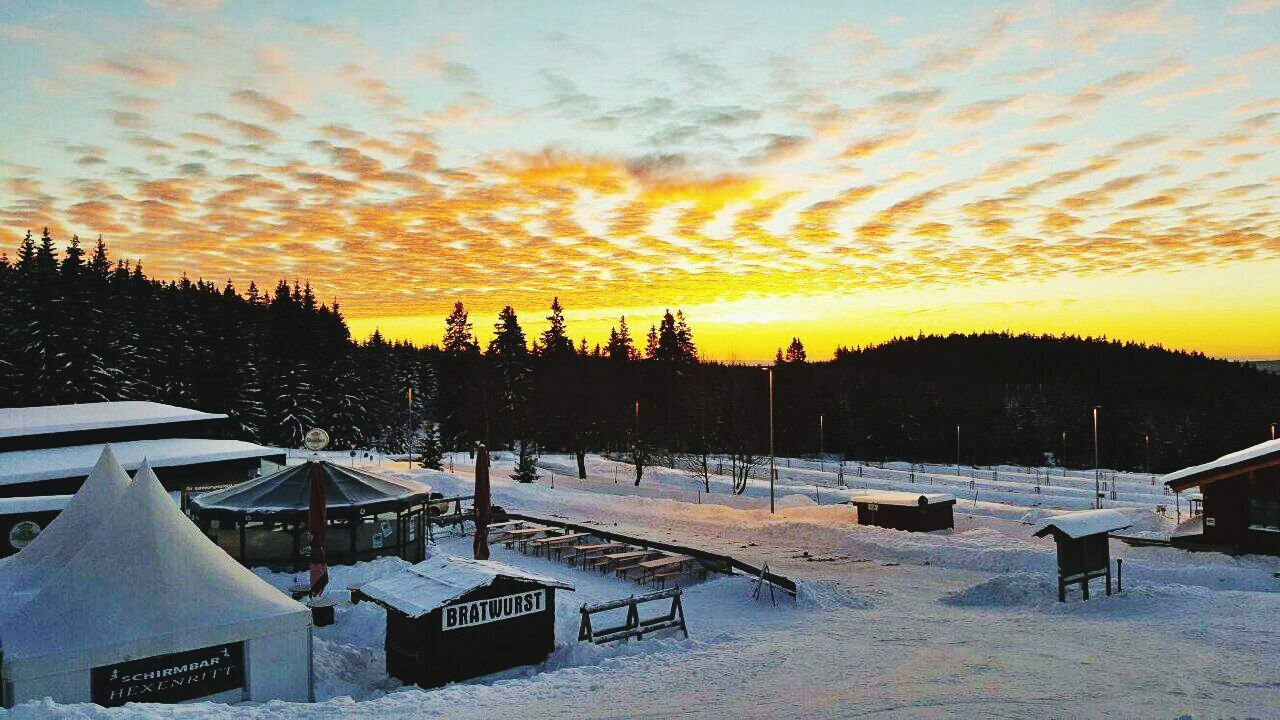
(769, 369)
(1273, 431)
(822, 455)
(1064, 453)
(409, 435)
(637, 418)
(957, 448)
(1097, 470)
(1147, 438)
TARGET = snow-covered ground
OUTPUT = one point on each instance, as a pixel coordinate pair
(962, 623)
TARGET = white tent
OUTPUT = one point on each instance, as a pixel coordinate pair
(147, 610)
(21, 574)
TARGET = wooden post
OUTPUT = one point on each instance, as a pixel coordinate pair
(1119, 574)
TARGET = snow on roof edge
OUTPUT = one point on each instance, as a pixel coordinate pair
(1252, 452)
(75, 417)
(1078, 524)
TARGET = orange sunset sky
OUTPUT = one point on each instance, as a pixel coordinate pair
(844, 172)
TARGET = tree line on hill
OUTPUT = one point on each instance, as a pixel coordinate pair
(81, 327)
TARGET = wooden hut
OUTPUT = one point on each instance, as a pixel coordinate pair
(1084, 552)
(906, 511)
(264, 521)
(1240, 501)
(453, 618)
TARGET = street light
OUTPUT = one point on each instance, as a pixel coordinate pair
(1273, 431)
(1147, 438)
(822, 456)
(957, 448)
(1097, 470)
(1064, 453)
(769, 369)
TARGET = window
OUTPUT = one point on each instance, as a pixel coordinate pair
(1264, 514)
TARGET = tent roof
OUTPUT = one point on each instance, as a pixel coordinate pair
(1251, 458)
(1078, 524)
(905, 499)
(288, 492)
(419, 589)
(26, 466)
(146, 582)
(16, 422)
(21, 574)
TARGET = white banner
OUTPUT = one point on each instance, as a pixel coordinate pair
(479, 612)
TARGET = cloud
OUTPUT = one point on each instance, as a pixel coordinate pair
(866, 147)
(268, 108)
(150, 71)
(249, 131)
(199, 6)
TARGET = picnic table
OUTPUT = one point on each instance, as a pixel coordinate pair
(605, 562)
(663, 567)
(511, 537)
(584, 551)
(552, 542)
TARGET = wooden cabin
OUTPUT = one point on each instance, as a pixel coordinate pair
(906, 511)
(453, 618)
(1084, 551)
(1240, 507)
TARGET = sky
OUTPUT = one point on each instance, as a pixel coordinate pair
(844, 172)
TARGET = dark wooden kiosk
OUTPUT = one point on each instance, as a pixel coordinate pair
(453, 618)
(906, 511)
(263, 522)
(1241, 502)
(1084, 551)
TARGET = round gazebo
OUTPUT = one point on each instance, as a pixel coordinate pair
(263, 522)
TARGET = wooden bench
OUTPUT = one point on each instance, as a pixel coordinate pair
(514, 536)
(659, 580)
(648, 567)
(553, 541)
(607, 562)
(587, 552)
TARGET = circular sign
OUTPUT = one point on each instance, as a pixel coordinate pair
(315, 439)
(21, 534)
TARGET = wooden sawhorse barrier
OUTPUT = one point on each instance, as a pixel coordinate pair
(634, 626)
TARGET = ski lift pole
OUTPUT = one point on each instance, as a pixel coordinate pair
(409, 435)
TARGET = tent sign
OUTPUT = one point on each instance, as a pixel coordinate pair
(480, 612)
(169, 678)
(316, 439)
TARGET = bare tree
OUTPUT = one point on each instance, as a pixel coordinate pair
(697, 463)
(641, 455)
(742, 460)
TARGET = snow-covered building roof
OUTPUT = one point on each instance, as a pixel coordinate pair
(47, 419)
(434, 582)
(25, 466)
(36, 504)
(288, 492)
(1262, 454)
(1084, 522)
(144, 582)
(903, 499)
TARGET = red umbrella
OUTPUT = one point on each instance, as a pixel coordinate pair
(316, 522)
(480, 545)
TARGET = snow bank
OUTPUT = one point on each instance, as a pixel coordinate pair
(40, 420)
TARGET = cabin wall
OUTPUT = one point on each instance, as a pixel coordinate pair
(913, 518)
(1228, 506)
(452, 655)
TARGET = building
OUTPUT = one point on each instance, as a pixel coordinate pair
(22, 519)
(906, 511)
(1240, 507)
(1084, 550)
(453, 618)
(148, 610)
(263, 522)
(49, 450)
(50, 426)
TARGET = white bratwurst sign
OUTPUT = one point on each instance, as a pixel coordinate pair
(479, 612)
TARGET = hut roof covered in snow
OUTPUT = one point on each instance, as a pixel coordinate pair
(28, 466)
(48, 419)
(144, 582)
(288, 492)
(903, 499)
(434, 582)
(1079, 524)
(1265, 454)
(34, 504)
